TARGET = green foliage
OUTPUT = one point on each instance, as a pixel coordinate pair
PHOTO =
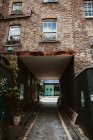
(3, 86)
(10, 98)
(14, 97)
(13, 65)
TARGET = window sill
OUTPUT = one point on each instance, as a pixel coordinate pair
(13, 43)
(50, 2)
(16, 13)
(88, 17)
(15, 16)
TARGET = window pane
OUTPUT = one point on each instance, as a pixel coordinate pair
(14, 32)
(88, 8)
(49, 36)
(17, 6)
(45, 25)
(82, 99)
(53, 26)
(49, 27)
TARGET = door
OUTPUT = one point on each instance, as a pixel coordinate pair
(49, 90)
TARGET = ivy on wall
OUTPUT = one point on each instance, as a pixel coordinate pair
(13, 65)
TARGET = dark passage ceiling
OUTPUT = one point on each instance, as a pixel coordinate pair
(46, 67)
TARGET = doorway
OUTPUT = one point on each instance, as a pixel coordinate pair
(49, 90)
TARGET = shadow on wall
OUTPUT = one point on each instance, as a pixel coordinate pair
(84, 90)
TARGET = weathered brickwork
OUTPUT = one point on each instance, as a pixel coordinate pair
(81, 41)
(72, 27)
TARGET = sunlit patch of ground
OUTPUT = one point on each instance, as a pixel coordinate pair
(49, 99)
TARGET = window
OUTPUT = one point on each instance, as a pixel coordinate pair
(14, 32)
(21, 91)
(91, 40)
(88, 8)
(91, 98)
(82, 99)
(91, 51)
(17, 7)
(91, 46)
(50, 0)
(49, 31)
(29, 81)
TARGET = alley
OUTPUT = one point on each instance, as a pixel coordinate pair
(48, 125)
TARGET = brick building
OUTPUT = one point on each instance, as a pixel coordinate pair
(48, 25)
(40, 26)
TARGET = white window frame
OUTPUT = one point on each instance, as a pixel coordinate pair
(88, 11)
(45, 33)
(14, 7)
(50, 1)
(15, 36)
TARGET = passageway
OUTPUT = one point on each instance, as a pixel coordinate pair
(48, 125)
(53, 67)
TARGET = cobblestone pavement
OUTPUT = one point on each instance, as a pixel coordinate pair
(47, 125)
